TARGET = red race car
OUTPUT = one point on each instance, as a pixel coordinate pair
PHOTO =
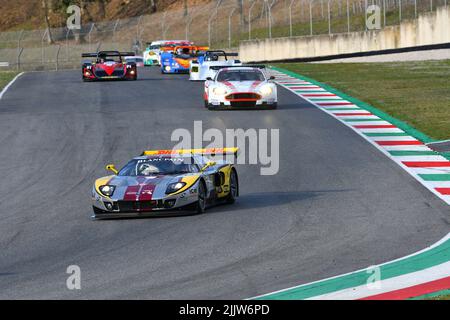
(108, 65)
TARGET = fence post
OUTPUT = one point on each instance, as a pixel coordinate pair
(57, 57)
(163, 25)
(19, 39)
(384, 13)
(290, 17)
(250, 20)
(138, 26)
(89, 35)
(188, 26)
(229, 25)
(329, 17)
(67, 44)
(269, 13)
(310, 18)
(19, 55)
(400, 11)
(348, 16)
(114, 31)
(210, 21)
(42, 46)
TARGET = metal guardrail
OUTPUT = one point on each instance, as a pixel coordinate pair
(221, 24)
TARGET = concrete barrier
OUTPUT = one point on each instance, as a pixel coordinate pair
(428, 29)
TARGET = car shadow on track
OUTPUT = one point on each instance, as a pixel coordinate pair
(244, 202)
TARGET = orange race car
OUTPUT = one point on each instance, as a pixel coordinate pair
(178, 59)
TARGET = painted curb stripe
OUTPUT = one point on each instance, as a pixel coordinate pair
(319, 95)
(414, 291)
(432, 295)
(433, 256)
(436, 177)
(385, 286)
(374, 126)
(399, 143)
(327, 104)
(444, 191)
(427, 164)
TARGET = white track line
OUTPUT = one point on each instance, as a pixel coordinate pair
(10, 84)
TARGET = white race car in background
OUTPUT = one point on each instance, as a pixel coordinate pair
(202, 67)
(240, 87)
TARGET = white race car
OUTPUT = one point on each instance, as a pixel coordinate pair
(202, 67)
(246, 87)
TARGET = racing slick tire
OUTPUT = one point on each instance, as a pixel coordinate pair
(234, 188)
(201, 203)
(273, 106)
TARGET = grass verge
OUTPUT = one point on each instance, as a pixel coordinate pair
(6, 77)
(416, 93)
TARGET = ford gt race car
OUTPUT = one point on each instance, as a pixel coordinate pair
(166, 181)
(240, 87)
(178, 59)
(201, 68)
(108, 65)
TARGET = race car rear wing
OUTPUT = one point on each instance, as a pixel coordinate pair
(223, 53)
(239, 66)
(210, 151)
(107, 53)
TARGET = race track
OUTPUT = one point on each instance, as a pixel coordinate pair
(336, 205)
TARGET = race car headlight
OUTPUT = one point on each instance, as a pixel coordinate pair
(167, 68)
(266, 90)
(107, 191)
(174, 187)
(220, 91)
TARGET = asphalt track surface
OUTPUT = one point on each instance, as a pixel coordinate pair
(336, 205)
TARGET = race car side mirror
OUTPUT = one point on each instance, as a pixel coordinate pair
(208, 165)
(209, 79)
(111, 167)
(272, 78)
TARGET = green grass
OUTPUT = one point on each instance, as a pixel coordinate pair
(441, 298)
(6, 77)
(417, 93)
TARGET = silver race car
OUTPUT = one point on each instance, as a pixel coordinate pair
(240, 87)
(164, 181)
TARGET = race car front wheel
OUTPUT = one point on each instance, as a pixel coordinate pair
(234, 191)
(273, 106)
(201, 203)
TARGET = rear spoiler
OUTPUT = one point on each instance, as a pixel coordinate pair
(222, 53)
(240, 66)
(210, 151)
(108, 54)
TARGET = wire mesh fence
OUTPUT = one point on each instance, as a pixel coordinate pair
(219, 24)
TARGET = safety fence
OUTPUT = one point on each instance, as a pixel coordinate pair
(219, 24)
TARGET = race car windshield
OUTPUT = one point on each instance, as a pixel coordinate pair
(106, 58)
(240, 75)
(158, 166)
